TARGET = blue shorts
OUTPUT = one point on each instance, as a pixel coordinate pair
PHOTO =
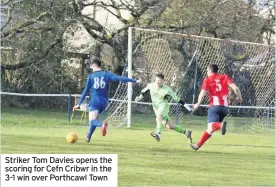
(99, 105)
(217, 113)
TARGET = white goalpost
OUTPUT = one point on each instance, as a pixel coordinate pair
(183, 59)
(129, 91)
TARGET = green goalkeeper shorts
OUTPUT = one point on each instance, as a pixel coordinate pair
(163, 110)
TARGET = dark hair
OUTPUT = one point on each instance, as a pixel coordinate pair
(97, 62)
(213, 68)
(159, 75)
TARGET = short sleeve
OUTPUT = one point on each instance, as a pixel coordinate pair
(205, 84)
(173, 95)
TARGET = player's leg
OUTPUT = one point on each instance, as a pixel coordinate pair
(159, 127)
(224, 113)
(214, 124)
(215, 118)
(95, 111)
(223, 127)
(93, 122)
(104, 123)
(160, 120)
(164, 111)
(172, 126)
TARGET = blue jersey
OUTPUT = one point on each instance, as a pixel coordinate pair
(98, 83)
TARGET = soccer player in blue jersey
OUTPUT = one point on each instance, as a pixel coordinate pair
(97, 84)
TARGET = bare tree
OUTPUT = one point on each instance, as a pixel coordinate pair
(42, 31)
(232, 19)
(52, 19)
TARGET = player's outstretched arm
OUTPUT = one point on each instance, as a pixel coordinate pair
(185, 105)
(202, 93)
(114, 77)
(200, 98)
(237, 92)
(173, 95)
(84, 93)
(143, 93)
(177, 99)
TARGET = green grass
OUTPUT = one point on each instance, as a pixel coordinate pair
(242, 158)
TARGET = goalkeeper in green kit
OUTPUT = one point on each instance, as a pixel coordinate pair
(159, 95)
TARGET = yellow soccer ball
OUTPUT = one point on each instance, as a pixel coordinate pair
(72, 137)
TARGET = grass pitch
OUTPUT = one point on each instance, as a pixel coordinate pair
(239, 158)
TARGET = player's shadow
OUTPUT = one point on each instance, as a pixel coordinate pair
(240, 145)
(202, 151)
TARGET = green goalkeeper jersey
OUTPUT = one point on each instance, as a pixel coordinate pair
(160, 95)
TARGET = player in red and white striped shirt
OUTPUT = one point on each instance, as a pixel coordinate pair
(216, 85)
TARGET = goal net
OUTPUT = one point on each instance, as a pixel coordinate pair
(183, 59)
